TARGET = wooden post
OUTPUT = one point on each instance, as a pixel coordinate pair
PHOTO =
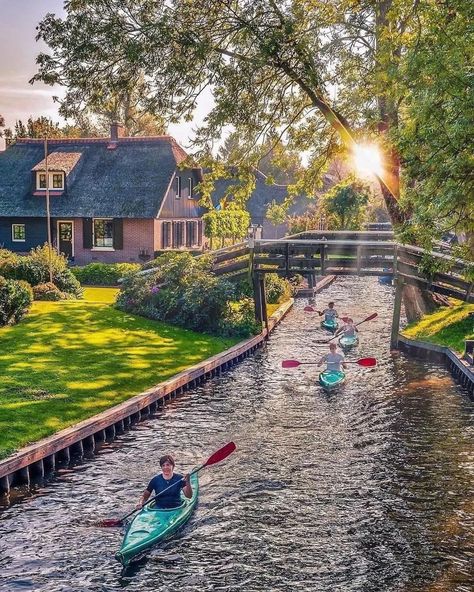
(358, 258)
(257, 296)
(396, 313)
(263, 300)
(322, 255)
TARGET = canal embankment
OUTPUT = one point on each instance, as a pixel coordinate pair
(442, 337)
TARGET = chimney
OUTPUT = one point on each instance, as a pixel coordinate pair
(116, 131)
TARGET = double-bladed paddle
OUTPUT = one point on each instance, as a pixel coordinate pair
(372, 316)
(320, 313)
(365, 362)
(219, 455)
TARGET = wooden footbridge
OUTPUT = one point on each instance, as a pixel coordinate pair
(368, 253)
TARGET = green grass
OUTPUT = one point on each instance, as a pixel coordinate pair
(67, 361)
(447, 326)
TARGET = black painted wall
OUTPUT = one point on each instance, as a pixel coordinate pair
(35, 230)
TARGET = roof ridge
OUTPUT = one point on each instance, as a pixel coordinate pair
(126, 139)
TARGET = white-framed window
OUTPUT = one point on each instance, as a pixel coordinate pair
(103, 233)
(177, 186)
(18, 233)
(56, 181)
(190, 188)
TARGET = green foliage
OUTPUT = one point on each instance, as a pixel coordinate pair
(104, 274)
(34, 269)
(276, 213)
(183, 291)
(239, 319)
(310, 220)
(8, 261)
(345, 205)
(15, 299)
(47, 291)
(435, 135)
(227, 223)
(277, 289)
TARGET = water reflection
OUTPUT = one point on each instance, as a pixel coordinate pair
(366, 489)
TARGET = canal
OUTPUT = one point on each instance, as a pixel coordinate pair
(367, 489)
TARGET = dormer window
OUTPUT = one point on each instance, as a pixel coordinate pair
(190, 188)
(56, 181)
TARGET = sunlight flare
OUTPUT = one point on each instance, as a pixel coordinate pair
(368, 160)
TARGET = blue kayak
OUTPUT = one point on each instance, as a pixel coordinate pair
(347, 341)
(151, 525)
(331, 378)
(330, 324)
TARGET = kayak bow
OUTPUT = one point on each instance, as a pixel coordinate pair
(329, 324)
(151, 525)
(346, 341)
(331, 378)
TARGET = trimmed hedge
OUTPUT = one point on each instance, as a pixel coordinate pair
(15, 299)
(104, 274)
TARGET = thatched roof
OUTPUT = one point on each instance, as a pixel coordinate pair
(129, 181)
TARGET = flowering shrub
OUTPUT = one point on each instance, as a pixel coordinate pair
(183, 291)
(15, 299)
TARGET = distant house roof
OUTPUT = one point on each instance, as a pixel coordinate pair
(59, 161)
(263, 195)
(128, 182)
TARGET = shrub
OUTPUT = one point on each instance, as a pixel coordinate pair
(239, 319)
(8, 260)
(277, 289)
(34, 269)
(182, 291)
(104, 274)
(47, 291)
(15, 299)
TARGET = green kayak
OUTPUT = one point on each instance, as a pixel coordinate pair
(331, 378)
(151, 525)
(347, 341)
(329, 324)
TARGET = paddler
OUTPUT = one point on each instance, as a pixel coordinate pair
(330, 313)
(348, 329)
(168, 478)
(333, 359)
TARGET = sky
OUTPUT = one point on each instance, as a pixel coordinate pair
(18, 51)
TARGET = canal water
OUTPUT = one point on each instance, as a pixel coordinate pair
(367, 489)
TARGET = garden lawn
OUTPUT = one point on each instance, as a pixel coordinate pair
(67, 361)
(447, 326)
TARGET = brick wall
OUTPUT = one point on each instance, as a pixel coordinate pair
(138, 235)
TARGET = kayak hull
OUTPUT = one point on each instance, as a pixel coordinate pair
(330, 325)
(331, 378)
(347, 341)
(152, 525)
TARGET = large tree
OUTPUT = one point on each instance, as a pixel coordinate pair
(272, 66)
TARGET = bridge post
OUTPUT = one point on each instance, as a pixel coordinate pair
(257, 298)
(396, 312)
(263, 300)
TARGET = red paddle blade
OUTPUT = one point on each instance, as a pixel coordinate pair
(367, 362)
(290, 363)
(222, 453)
(372, 316)
(345, 319)
(309, 309)
(110, 522)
